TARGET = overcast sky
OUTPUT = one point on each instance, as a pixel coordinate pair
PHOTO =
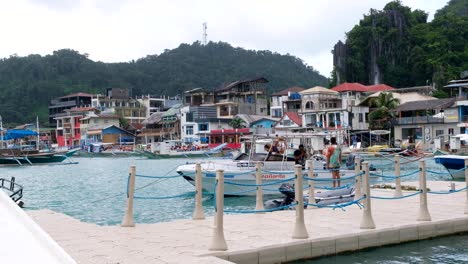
(124, 30)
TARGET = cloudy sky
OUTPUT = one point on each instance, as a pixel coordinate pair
(123, 30)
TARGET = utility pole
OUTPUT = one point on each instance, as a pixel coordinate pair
(204, 33)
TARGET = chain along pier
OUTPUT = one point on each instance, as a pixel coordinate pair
(376, 217)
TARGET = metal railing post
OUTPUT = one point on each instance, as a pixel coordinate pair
(367, 221)
(218, 242)
(398, 192)
(300, 230)
(423, 214)
(466, 184)
(128, 217)
(198, 213)
(258, 180)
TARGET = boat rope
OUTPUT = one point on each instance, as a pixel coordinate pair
(189, 194)
(257, 185)
(261, 211)
(340, 179)
(447, 173)
(158, 177)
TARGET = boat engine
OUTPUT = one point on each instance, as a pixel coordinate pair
(289, 197)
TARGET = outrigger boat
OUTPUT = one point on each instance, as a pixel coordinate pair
(241, 169)
(174, 149)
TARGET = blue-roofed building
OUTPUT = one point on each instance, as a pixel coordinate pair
(287, 100)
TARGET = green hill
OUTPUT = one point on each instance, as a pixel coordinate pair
(397, 46)
(28, 83)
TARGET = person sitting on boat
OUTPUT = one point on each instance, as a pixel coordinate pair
(333, 154)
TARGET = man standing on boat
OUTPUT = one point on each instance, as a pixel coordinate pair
(333, 155)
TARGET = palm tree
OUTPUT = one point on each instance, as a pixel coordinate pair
(237, 123)
(383, 115)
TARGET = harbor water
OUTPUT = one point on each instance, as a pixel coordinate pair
(94, 190)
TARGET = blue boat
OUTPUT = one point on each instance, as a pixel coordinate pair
(454, 164)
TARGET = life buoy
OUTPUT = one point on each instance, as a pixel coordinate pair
(427, 137)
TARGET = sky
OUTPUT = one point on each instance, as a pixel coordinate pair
(125, 30)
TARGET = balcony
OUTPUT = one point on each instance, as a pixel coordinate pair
(419, 120)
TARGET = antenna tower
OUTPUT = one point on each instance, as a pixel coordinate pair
(204, 33)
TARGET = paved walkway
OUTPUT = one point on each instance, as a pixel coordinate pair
(259, 238)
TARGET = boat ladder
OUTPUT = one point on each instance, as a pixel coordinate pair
(14, 190)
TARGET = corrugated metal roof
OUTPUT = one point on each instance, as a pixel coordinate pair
(426, 104)
(294, 89)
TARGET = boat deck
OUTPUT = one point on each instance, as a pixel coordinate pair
(260, 238)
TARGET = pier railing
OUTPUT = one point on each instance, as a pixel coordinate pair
(360, 181)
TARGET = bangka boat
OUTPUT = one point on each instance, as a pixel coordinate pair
(454, 164)
(174, 149)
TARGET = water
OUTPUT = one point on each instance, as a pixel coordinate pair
(95, 191)
(452, 249)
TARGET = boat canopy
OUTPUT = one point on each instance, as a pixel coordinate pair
(18, 133)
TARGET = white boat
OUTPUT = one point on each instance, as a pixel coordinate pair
(239, 172)
(175, 149)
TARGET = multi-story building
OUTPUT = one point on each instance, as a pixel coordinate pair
(199, 96)
(68, 130)
(92, 123)
(161, 126)
(197, 121)
(157, 103)
(241, 97)
(287, 100)
(322, 108)
(119, 102)
(58, 105)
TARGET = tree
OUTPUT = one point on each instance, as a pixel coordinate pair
(382, 117)
(237, 123)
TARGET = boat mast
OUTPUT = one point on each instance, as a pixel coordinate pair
(37, 131)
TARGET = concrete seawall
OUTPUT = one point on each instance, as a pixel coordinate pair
(260, 238)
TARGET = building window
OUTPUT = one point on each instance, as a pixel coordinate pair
(439, 132)
(309, 105)
(189, 130)
(450, 131)
(360, 118)
(203, 127)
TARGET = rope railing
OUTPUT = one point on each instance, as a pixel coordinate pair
(158, 177)
(396, 198)
(447, 173)
(448, 192)
(259, 185)
(279, 208)
(189, 194)
(340, 179)
(394, 176)
(339, 205)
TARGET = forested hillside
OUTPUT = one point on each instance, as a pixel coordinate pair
(398, 47)
(28, 83)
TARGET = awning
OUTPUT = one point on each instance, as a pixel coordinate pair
(94, 132)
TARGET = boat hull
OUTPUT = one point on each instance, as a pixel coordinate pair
(454, 164)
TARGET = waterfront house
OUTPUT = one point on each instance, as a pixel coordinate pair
(321, 108)
(289, 122)
(161, 126)
(287, 100)
(91, 124)
(119, 102)
(157, 103)
(196, 122)
(57, 106)
(68, 125)
(112, 135)
(423, 120)
(241, 97)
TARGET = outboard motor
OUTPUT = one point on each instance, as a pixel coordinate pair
(289, 197)
(350, 162)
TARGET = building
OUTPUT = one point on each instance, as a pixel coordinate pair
(68, 126)
(231, 137)
(157, 103)
(197, 121)
(161, 126)
(322, 109)
(112, 135)
(118, 102)
(289, 121)
(287, 100)
(241, 97)
(92, 123)
(58, 105)
(199, 96)
(424, 120)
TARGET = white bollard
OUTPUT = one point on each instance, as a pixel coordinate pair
(127, 220)
(198, 213)
(367, 221)
(466, 184)
(300, 230)
(423, 214)
(311, 175)
(218, 242)
(398, 192)
(357, 170)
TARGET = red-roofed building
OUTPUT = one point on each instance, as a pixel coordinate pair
(287, 100)
(350, 87)
(379, 88)
(288, 121)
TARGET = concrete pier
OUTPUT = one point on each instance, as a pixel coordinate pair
(261, 238)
